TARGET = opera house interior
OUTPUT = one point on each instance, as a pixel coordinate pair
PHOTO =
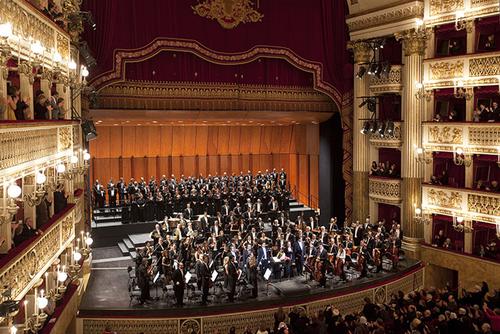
(249, 166)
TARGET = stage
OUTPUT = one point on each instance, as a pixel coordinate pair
(107, 293)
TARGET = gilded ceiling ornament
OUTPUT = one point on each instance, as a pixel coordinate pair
(229, 13)
(414, 41)
(362, 51)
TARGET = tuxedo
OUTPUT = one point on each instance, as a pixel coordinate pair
(188, 214)
(232, 277)
(204, 223)
(179, 285)
(300, 250)
(204, 273)
(263, 257)
(358, 234)
(112, 193)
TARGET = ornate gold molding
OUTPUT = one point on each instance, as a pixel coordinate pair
(447, 70)
(445, 135)
(27, 268)
(414, 41)
(448, 199)
(229, 13)
(385, 190)
(484, 203)
(394, 13)
(361, 50)
(484, 66)
(445, 6)
(391, 83)
(215, 96)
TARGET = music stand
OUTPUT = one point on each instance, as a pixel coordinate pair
(267, 275)
(155, 280)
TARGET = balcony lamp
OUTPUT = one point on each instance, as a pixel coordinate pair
(40, 177)
(6, 30)
(460, 157)
(422, 155)
(73, 159)
(460, 23)
(61, 168)
(72, 65)
(422, 93)
(57, 58)
(86, 156)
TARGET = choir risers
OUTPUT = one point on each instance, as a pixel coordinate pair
(470, 204)
(472, 138)
(385, 190)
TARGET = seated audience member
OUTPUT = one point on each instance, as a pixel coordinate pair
(437, 118)
(476, 116)
(452, 116)
(480, 185)
(381, 169)
(61, 109)
(493, 186)
(495, 110)
(439, 239)
(447, 243)
(392, 171)
(374, 168)
(25, 231)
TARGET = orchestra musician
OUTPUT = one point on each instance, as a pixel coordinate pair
(143, 276)
(251, 239)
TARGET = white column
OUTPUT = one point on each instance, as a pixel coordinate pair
(414, 43)
(469, 104)
(471, 36)
(26, 79)
(361, 164)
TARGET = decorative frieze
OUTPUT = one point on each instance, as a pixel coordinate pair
(445, 6)
(471, 204)
(445, 135)
(484, 66)
(385, 190)
(446, 70)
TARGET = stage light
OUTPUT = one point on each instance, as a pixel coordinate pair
(386, 68)
(373, 127)
(361, 72)
(362, 104)
(366, 126)
(389, 129)
(381, 128)
(14, 191)
(372, 104)
(372, 69)
(378, 70)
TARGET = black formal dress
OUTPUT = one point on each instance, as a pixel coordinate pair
(204, 273)
(232, 277)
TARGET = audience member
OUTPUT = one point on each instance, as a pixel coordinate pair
(387, 169)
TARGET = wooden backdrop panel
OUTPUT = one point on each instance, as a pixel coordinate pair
(145, 151)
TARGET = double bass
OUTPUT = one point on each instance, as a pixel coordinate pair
(377, 259)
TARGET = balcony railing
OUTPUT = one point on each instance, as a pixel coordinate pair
(385, 190)
(22, 143)
(393, 140)
(21, 268)
(390, 84)
(467, 203)
(473, 138)
(472, 70)
(438, 12)
(26, 21)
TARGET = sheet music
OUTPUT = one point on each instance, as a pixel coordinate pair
(267, 274)
(175, 264)
(188, 277)
(156, 277)
(214, 275)
(276, 260)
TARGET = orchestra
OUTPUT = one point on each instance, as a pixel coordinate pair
(245, 241)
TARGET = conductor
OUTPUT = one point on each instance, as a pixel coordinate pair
(179, 284)
(232, 277)
(204, 272)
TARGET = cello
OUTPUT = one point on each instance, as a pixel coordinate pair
(377, 259)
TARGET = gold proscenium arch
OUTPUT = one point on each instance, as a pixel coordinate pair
(122, 57)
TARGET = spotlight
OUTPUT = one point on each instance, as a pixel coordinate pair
(372, 69)
(366, 127)
(378, 70)
(373, 127)
(386, 69)
(361, 72)
(389, 129)
(372, 104)
(381, 128)
(362, 104)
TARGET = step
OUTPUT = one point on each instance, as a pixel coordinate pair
(128, 244)
(304, 208)
(106, 224)
(133, 255)
(105, 218)
(139, 240)
(107, 210)
(123, 248)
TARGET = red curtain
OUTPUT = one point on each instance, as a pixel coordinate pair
(391, 52)
(183, 66)
(388, 212)
(391, 155)
(483, 233)
(389, 107)
(443, 161)
(445, 223)
(314, 30)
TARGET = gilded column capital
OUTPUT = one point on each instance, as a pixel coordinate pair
(414, 41)
(4, 72)
(26, 69)
(469, 26)
(362, 51)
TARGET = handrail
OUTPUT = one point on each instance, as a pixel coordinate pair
(475, 257)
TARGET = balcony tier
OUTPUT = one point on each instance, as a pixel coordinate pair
(385, 190)
(394, 140)
(470, 204)
(474, 138)
(391, 84)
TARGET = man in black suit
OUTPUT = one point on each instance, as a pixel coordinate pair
(204, 222)
(358, 233)
(122, 190)
(112, 194)
(60, 199)
(143, 280)
(188, 212)
(179, 284)
(300, 250)
(232, 277)
(204, 272)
